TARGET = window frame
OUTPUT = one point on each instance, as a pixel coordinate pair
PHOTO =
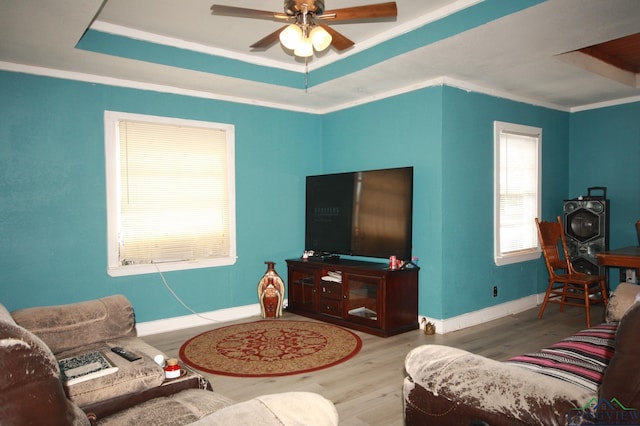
(112, 165)
(531, 253)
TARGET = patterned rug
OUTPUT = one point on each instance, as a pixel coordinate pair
(270, 348)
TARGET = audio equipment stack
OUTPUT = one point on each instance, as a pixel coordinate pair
(586, 227)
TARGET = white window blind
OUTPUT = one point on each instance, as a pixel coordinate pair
(517, 192)
(174, 197)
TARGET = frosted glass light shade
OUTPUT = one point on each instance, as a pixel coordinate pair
(304, 49)
(291, 36)
(320, 38)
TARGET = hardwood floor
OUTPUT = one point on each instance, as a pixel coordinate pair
(367, 390)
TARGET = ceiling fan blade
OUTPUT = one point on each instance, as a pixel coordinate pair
(338, 41)
(371, 11)
(241, 12)
(268, 40)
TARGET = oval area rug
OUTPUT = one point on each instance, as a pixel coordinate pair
(270, 348)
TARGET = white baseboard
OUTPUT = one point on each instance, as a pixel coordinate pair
(442, 325)
(483, 315)
(179, 323)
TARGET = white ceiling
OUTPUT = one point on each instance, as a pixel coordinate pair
(514, 56)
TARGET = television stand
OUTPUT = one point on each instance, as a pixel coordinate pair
(365, 296)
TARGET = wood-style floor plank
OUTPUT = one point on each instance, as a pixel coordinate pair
(367, 389)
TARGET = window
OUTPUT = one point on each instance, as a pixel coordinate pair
(170, 193)
(517, 181)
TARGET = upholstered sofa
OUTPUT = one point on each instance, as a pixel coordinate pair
(33, 340)
(590, 378)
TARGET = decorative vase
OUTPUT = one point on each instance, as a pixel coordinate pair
(271, 293)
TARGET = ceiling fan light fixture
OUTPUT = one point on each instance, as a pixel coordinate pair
(304, 49)
(320, 38)
(302, 35)
(291, 36)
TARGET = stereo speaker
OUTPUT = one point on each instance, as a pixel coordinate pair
(586, 227)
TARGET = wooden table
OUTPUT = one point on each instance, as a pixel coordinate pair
(627, 257)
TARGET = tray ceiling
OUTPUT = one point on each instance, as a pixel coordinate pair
(526, 50)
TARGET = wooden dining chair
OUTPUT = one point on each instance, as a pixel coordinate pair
(566, 286)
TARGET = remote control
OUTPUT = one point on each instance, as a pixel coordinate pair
(129, 356)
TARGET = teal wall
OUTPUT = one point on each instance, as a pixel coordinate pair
(53, 197)
(447, 135)
(52, 188)
(404, 130)
(468, 266)
(605, 151)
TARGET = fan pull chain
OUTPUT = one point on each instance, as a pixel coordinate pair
(306, 74)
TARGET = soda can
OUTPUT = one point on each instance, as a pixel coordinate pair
(393, 262)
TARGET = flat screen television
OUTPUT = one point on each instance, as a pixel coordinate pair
(367, 213)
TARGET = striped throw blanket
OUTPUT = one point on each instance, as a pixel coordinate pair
(580, 359)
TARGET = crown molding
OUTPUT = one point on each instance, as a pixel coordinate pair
(440, 81)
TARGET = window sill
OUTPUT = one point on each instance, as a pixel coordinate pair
(517, 258)
(151, 268)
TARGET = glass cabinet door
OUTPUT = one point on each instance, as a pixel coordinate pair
(363, 296)
(302, 289)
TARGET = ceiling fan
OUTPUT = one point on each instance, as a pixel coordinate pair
(306, 29)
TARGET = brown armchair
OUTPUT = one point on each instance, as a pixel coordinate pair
(32, 392)
(449, 386)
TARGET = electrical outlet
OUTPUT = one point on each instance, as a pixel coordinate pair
(631, 276)
(495, 291)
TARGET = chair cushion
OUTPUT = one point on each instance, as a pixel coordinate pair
(287, 408)
(131, 377)
(622, 298)
(580, 359)
(178, 409)
(70, 326)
